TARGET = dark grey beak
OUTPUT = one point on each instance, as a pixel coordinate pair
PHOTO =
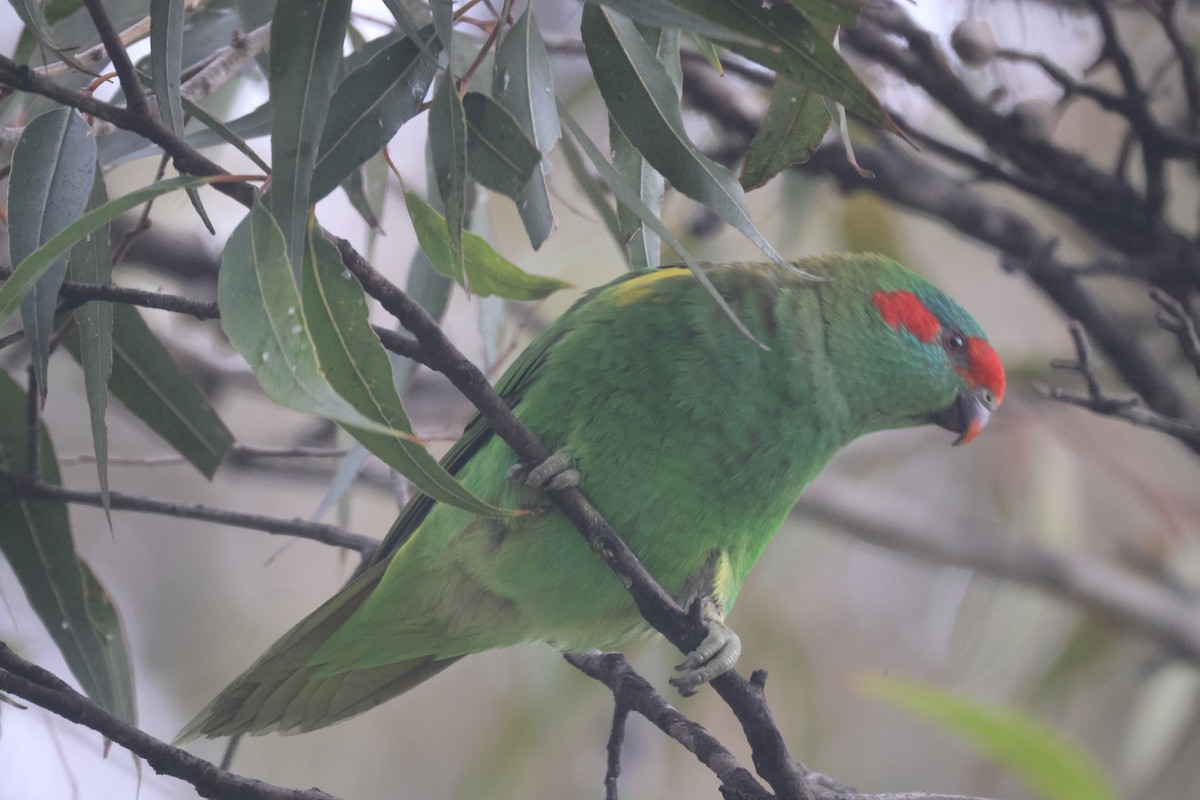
(968, 415)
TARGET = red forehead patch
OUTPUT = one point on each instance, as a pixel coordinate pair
(904, 309)
(986, 369)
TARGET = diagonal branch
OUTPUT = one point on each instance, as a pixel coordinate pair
(135, 94)
(30, 682)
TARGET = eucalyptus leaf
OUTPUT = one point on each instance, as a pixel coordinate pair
(643, 100)
(90, 262)
(35, 538)
(356, 365)
(791, 132)
(369, 106)
(306, 49)
(53, 166)
(148, 382)
(486, 271)
(448, 157)
(499, 154)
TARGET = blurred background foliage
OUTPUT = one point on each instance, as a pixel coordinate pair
(839, 600)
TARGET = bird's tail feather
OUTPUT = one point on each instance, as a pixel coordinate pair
(282, 692)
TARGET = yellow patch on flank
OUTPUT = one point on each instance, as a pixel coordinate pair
(637, 289)
(724, 588)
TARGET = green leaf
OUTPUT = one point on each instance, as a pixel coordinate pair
(151, 386)
(644, 102)
(35, 538)
(795, 47)
(369, 106)
(487, 272)
(499, 154)
(448, 156)
(166, 63)
(53, 166)
(91, 263)
(357, 366)
(34, 265)
(627, 195)
(306, 49)
(1051, 767)
(796, 122)
(840, 12)
(710, 52)
(523, 85)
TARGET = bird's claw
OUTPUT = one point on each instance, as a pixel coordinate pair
(713, 657)
(555, 473)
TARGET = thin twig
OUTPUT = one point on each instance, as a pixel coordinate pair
(1175, 318)
(135, 94)
(616, 738)
(15, 486)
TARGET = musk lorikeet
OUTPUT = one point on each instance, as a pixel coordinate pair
(690, 438)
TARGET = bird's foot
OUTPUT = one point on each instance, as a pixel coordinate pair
(714, 656)
(555, 473)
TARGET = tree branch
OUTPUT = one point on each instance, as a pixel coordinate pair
(135, 95)
(28, 681)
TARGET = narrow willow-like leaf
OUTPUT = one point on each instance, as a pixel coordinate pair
(448, 155)
(166, 63)
(523, 85)
(53, 166)
(1051, 767)
(796, 122)
(357, 366)
(487, 272)
(306, 49)
(670, 15)
(34, 265)
(35, 538)
(592, 189)
(91, 262)
(151, 386)
(499, 154)
(644, 102)
(369, 106)
(627, 195)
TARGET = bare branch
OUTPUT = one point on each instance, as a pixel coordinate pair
(1150, 609)
(1126, 407)
(1175, 318)
(135, 95)
(30, 682)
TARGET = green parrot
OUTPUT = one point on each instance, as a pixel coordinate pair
(693, 441)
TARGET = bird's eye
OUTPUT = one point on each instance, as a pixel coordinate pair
(953, 341)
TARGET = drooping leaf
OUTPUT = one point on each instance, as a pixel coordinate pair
(499, 154)
(1051, 767)
(306, 49)
(53, 166)
(796, 122)
(34, 265)
(151, 386)
(448, 156)
(669, 15)
(487, 272)
(629, 196)
(357, 366)
(91, 262)
(643, 100)
(710, 52)
(524, 86)
(166, 64)
(369, 106)
(35, 538)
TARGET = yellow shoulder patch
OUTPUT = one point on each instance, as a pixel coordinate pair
(637, 289)
(725, 585)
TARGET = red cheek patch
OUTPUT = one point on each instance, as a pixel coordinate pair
(905, 309)
(986, 369)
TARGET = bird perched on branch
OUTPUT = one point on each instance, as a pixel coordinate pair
(691, 438)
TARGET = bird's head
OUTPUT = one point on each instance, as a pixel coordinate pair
(916, 356)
